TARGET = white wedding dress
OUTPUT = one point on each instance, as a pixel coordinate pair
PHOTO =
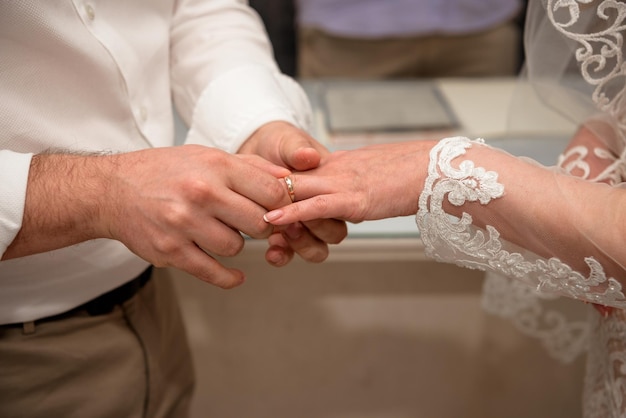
(543, 233)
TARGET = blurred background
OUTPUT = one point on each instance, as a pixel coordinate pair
(288, 21)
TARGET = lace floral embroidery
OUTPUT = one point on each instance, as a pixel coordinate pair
(600, 54)
(605, 379)
(456, 240)
(598, 30)
(598, 27)
(539, 316)
(574, 161)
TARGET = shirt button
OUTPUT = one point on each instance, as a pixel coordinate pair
(91, 13)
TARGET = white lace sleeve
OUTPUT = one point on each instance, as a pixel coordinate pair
(456, 180)
(575, 60)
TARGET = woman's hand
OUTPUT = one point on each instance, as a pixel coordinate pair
(374, 182)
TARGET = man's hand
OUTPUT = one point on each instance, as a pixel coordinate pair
(171, 206)
(285, 145)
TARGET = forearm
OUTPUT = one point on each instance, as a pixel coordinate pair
(512, 215)
(557, 233)
(65, 196)
(549, 213)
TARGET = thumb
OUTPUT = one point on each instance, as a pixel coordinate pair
(301, 152)
(301, 158)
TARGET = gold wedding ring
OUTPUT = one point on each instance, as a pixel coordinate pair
(292, 193)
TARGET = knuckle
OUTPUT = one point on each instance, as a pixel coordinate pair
(176, 216)
(230, 247)
(340, 234)
(315, 254)
(261, 230)
(195, 189)
(277, 186)
(168, 246)
(276, 190)
(330, 231)
(321, 205)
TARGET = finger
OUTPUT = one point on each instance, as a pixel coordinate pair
(218, 238)
(241, 214)
(264, 165)
(306, 186)
(305, 244)
(258, 186)
(302, 152)
(331, 231)
(279, 252)
(198, 263)
(318, 207)
(303, 158)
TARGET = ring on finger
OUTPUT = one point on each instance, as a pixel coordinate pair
(290, 189)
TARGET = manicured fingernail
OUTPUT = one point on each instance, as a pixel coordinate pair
(273, 215)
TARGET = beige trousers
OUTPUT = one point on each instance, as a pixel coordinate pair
(134, 362)
(494, 52)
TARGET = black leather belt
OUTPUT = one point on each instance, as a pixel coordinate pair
(103, 304)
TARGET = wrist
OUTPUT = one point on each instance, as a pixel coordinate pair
(65, 198)
(263, 135)
(77, 186)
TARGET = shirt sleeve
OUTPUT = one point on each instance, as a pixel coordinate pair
(225, 81)
(14, 168)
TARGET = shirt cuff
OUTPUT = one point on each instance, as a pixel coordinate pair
(14, 168)
(237, 103)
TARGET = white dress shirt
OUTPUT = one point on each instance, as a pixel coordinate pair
(100, 75)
